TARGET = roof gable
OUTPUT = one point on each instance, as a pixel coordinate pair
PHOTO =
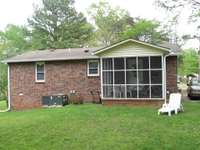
(164, 49)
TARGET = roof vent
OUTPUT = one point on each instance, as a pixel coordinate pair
(86, 50)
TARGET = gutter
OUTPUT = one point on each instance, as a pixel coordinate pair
(9, 104)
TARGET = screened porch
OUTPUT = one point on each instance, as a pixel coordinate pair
(132, 77)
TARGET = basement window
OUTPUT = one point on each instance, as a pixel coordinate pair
(93, 68)
(40, 72)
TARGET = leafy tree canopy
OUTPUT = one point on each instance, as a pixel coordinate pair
(109, 22)
(13, 40)
(58, 25)
(145, 30)
(188, 62)
(176, 6)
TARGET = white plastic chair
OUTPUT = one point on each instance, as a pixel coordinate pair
(173, 105)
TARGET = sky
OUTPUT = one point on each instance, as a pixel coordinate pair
(17, 12)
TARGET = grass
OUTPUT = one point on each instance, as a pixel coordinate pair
(97, 127)
(3, 105)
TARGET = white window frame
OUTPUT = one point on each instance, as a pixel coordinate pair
(137, 70)
(36, 80)
(88, 73)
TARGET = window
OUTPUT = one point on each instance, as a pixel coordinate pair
(143, 63)
(143, 77)
(108, 77)
(119, 63)
(133, 77)
(108, 91)
(131, 91)
(93, 68)
(156, 77)
(131, 63)
(119, 91)
(107, 64)
(155, 62)
(119, 77)
(40, 72)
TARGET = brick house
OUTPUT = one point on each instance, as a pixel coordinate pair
(128, 72)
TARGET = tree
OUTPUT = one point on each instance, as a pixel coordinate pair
(145, 30)
(13, 40)
(176, 6)
(3, 81)
(110, 22)
(56, 24)
(188, 62)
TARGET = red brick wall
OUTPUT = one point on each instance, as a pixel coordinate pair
(171, 73)
(61, 77)
(133, 102)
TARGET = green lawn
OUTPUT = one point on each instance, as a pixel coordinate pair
(3, 105)
(97, 127)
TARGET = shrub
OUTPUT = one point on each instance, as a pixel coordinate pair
(75, 98)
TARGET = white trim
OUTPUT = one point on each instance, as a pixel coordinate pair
(137, 77)
(9, 98)
(132, 40)
(165, 77)
(91, 61)
(156, 99)
(101, 77)
(113, 72)
(137, 70)
(125, 82)
(128, 56)
(36, 80)
(150, 75)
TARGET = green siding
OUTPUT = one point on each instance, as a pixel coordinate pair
(131, 49)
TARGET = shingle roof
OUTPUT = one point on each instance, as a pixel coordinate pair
(53, 55)
(173, 47)
(72, 54)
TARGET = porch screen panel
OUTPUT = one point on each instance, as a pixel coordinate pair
(107, 72)
(133, 77)
(119, 78)
(156, 76)
(108, 77)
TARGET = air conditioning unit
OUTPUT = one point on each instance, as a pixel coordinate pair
(54, 100)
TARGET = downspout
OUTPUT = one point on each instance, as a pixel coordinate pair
(9, 104)
(165, 77)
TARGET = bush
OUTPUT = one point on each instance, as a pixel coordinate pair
(188, 62)
(75, 98)
(3, 81)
